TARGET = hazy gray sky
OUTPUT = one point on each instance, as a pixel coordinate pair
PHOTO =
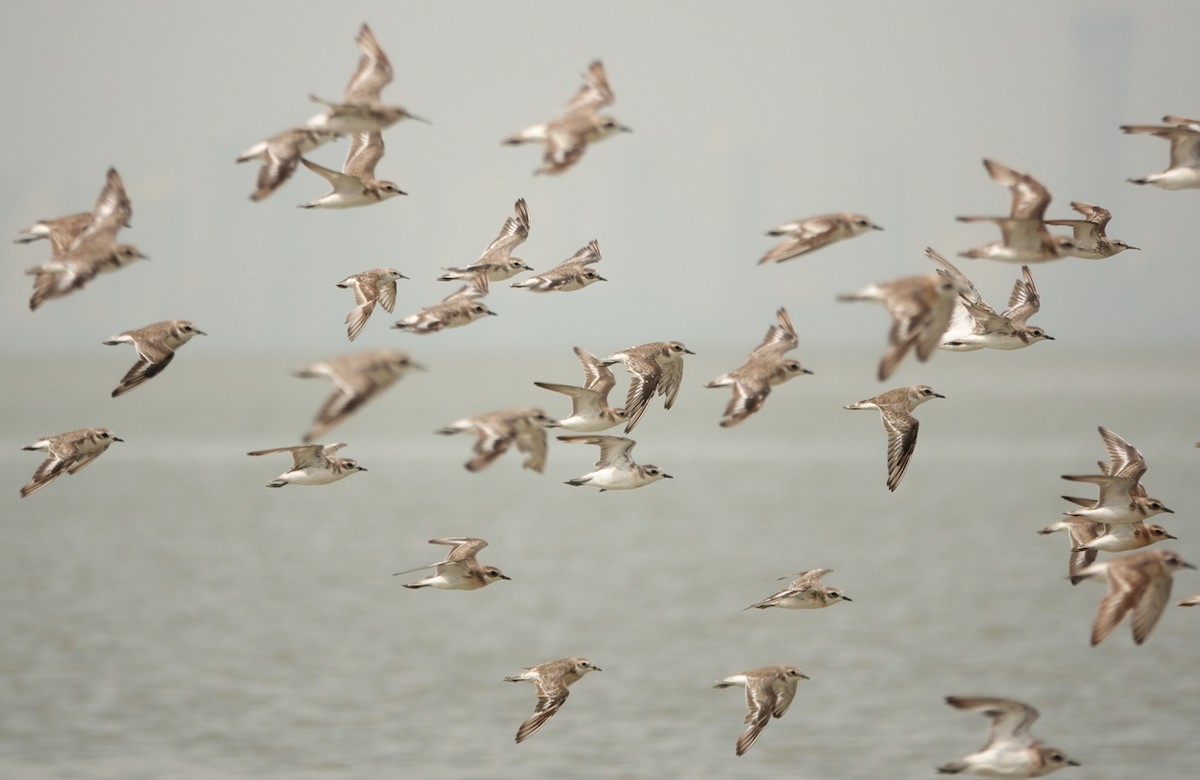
(744, 115)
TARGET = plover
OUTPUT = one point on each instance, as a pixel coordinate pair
(920, 308)
(60, 231)
(1122, 499)
(805, 235)
(357, 378)
(615, 470)
(361, 109)
(806, 592)
(496, 431)
(566, 138)
(1184, 170)
(461, 307)
(67, 453)
(356, 184)
(281, 154)
(1089, 539)
(656, 367)
(93, 251)
(312, 464)
(764, 368)
(458, 570)
(1025, 238)
(895, 409)
(1010, 750)
(769, 693)
(1090, 240)
(571, 274)
(497, 262)
(155, 345)
(377, 285)
(1138, 583)
(551, 681)
(976, 325)
(590, 411)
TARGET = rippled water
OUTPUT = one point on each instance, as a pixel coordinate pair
(164, 615)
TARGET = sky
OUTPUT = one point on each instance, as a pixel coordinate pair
(744, 116)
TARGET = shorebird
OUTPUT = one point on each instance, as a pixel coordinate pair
(1024, 235)
(615, 470)
(60, 231)
(1138, 583)
(551, 681)
(461, 307)
(1010, 750)
(590, 411)
(281, 154)
(1184, 136)
(806, 592)
(656, 367)
(571, 274)
(920, 308)
(155, 345)
(357, 378)
(1089, 539)
(1090, 242)
(566, 138)
(458, 570)
(769, 693)
(496, 431)
(805, 235)
(1123, 499)
(312, 464)
(361, 109)
(93, 251)
(976, 325)
(764, 368)
(67, 453)
(895, 409)
(377, 285)
(356, 184)
(497, 262)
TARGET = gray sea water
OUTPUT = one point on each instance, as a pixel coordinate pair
(163, 615)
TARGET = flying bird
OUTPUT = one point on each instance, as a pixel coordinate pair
(573, 273)
(551, 681)
(357, 378)
(806, 592)
(356, 184)
(615, 470)
(361, 109)
(590, 411)
(458, 570)
(895, 409)
(497, 263)
(976, 325)
(1010, 750)
(769, 693)
(811, 233)
(920, 308)
(67, 453)
(765, 368)
(496, 432)
(377, 285)
(312, 464)
(93, 251)
(1139, 583)
(656, 367)
(461, 307)
(1183, 134)
(567, 137)
(155, 345)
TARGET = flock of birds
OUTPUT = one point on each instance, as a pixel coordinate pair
(941, 310)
